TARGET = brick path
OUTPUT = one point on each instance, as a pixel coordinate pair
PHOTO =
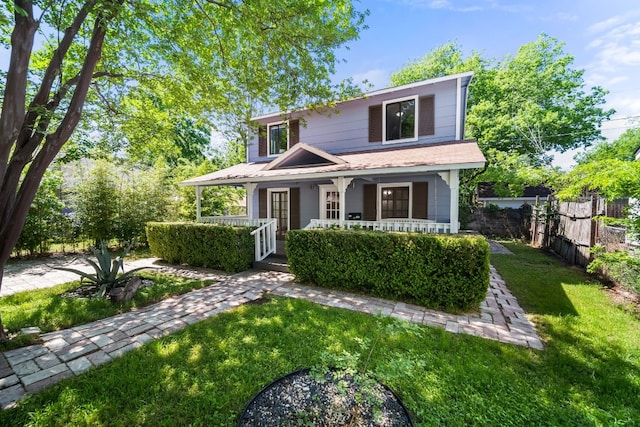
(72, 351)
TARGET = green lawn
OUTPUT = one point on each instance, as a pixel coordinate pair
(588, 374)
(50, 311)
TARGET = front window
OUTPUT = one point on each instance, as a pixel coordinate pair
(394, 202)
(278, 139)
(400, 119)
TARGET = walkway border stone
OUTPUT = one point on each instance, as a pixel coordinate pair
(70, 352)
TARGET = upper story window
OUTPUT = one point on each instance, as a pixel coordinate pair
(400, 119)
(278, 138)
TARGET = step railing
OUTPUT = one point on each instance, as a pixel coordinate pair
(264, 234)
(265, 239)
(405, 225)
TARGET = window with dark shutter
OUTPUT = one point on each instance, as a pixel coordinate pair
(426, 125)
(375, 123)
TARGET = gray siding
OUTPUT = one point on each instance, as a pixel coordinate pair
(348, 130)
(438, 196)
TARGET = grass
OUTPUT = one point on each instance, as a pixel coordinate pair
(588, 374)
(50, 311)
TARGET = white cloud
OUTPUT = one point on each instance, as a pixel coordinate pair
(466, 5)
(378, 78)
(604, 25)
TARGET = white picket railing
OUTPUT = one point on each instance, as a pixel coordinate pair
(235, 221)
(265, 236)
(406, 225)
(265, 233)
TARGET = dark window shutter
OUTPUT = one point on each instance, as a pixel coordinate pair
(262, 203)
(375, 123)
(419, 208)
(262, 141)
(427, 126)
(294, 132)
(370, 202)
(294, 207)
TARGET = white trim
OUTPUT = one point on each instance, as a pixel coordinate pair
(336, 174)
(459, 108)
(378, 92)
(282, 122)
(416, 119)
(379, 198)
(323, 189)
(280, 190)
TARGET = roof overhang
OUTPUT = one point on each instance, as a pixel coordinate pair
(418, 159)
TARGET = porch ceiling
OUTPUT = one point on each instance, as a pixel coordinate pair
(394, 160)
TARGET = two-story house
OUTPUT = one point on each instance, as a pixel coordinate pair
(389, 160)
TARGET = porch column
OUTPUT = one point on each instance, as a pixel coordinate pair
(454, 185)
(342, 183)
(250, 187)
(198, 203)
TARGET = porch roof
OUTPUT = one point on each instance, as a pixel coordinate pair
(395, 160)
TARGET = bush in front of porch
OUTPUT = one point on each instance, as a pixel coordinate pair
(204, 245)
(450, 272)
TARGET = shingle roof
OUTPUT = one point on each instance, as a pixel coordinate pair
(415, 158)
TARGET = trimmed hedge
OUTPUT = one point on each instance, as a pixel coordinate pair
(205, 245)
(436, 271)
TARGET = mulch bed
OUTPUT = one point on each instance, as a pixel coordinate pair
(89, 290)
(335, 399)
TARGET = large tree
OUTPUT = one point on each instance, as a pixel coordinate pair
(522, 106)
(209, 55)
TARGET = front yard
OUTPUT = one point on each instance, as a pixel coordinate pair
(588, 374)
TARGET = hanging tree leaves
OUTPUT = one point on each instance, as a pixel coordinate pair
(211, 57)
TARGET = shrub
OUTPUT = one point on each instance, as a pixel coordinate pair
(450, 272)
(622, 267)
(205, 245)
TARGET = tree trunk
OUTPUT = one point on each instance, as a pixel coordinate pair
(17, 138)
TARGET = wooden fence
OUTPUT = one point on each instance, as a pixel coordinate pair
(571, 229)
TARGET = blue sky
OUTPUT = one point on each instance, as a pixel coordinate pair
(602, 35)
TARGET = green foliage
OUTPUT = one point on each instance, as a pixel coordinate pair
(622, 267)
(96, 202)
(115, 202)
(106, 276)
(45, 218)
(624, 148)
(429, 270)
(214, 201)
(205, 245)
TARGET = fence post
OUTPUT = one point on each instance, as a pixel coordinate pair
(594, 224)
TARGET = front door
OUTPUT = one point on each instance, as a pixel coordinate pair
(279, 210)
(329, 202)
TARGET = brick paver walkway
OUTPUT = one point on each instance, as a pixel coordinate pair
(69, 352)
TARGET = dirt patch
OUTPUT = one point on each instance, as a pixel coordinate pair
(622, 297)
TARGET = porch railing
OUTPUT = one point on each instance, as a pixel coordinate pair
(406, 225)
(264, 234)
(235, 221)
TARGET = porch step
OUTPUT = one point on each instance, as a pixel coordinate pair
(272, 263)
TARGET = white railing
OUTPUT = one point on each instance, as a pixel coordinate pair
(265, 236)
(265, 233)
(406, 225)
(235, 221)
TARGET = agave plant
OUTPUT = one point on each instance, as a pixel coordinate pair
(106, 276)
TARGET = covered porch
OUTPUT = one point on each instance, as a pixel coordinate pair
(410, 189)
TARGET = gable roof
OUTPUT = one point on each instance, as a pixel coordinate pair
(411, 159)
(465, 79)
(302, 155)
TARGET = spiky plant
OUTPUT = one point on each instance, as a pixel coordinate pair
(106, 276)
